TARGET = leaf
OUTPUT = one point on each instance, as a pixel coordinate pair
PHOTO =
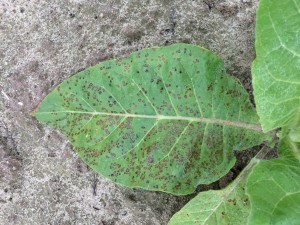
(163, 119)
(289, 147)
(276, 70)
(227, 206)
(273, 187)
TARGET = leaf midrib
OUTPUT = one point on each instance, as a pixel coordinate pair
(239, 124)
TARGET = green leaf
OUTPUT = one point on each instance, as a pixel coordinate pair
(274, 191)
(295, 134)
(163, 119)
(227, 206)
(276, 70)
(289, 145)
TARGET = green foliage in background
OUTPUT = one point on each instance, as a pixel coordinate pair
(274, 190)
(276, 76)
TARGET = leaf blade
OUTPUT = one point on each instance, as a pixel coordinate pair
(227, 206)
(275, 70)
(161, 119)
(279, 204)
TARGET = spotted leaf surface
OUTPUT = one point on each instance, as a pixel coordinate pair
(215, 207)
(163, 119)
(276, 70)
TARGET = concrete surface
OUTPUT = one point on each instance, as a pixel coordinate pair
(42, 181)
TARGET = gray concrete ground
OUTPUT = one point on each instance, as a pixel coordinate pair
(42, 181)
